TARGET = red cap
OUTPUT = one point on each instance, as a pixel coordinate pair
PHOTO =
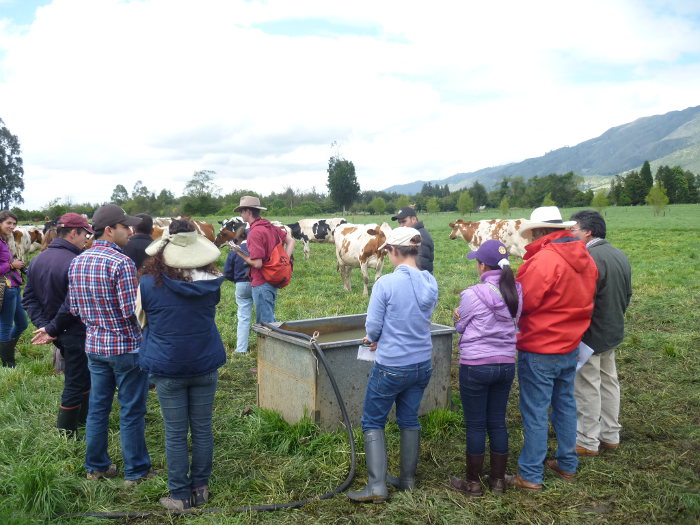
(73, 220)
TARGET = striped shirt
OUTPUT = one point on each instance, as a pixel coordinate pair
(102, 288)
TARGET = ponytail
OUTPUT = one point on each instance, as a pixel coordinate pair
(508, 290)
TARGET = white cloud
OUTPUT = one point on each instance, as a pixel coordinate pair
(106, 92)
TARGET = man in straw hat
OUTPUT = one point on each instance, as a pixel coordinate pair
(262, 239)
(102, 289)
(558, 279)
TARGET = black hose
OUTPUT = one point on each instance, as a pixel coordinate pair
(272, 506)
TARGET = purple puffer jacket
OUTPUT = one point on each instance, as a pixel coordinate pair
(488, 331)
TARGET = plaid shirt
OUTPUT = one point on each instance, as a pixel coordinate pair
(102, 291)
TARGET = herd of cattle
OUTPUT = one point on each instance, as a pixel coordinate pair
(356, 245)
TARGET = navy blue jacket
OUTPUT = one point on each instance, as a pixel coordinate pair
(181, 338)
(136, 248)
(236, 269)
(47, 288)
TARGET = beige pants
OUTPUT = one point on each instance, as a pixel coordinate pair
(597, 393)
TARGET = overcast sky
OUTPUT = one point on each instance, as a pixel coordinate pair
(107, 92)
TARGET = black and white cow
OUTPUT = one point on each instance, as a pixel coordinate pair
(314, 230)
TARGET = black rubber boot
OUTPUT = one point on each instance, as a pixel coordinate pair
(68, 420)
(375, 457)
(410, 450)
(497, 478)
(7, 352)
(84, 406)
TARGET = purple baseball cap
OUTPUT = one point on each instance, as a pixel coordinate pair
(490, 252)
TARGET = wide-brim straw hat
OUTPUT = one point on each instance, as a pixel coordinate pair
(185, 250)
(545, 217)
(249, 202)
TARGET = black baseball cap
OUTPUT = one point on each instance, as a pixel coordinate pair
(112, 214)
(404, 212)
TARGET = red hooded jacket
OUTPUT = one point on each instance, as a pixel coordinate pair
(559, 282)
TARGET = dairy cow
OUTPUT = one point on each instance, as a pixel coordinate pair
(357, 246)
(508, 231)
(314, 230)
(228, 229)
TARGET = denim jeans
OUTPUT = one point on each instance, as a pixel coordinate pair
(403, 385)
(547, 380)
(108, 373)
(264, 297)
(76, 375)
(187, 403)
(13, 319)
(484, 390)
(244, 311)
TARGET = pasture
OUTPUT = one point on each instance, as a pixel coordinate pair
(652, 478)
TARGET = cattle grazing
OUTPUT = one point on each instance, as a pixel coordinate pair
(314, 230)
(508, 231)
(357, 246)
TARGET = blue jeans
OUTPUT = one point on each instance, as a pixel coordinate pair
(244, 311)
(547, 380)
(403, 385)
(484, 390)
(187, 403)
(264, 297)
(13, 319)
(123, 373)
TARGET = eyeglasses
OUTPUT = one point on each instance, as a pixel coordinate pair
(87, 233)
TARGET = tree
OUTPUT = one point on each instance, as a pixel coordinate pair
(401, 202)
(465, 203)
(548, 201)
(657, 198)
(645, 174)
(11, 170)
(600, 200)
(478, 193)
(378, 205)
(504, 206)
(202, 184)
(342, 182)
(433, 205)
(119, 195)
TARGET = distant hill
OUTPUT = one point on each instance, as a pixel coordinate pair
(669, 139)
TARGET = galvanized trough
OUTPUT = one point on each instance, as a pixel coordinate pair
(292, 381)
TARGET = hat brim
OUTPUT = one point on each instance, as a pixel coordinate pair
(471, 255)
(200, 253)
(239, 208)
(532, 225)
(130, 221)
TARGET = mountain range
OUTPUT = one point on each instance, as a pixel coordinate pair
(669, 139)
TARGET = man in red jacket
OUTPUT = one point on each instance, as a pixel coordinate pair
(559, 282)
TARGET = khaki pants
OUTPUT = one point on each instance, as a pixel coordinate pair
(597, 393)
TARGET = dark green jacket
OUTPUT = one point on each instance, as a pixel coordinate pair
(612, 296)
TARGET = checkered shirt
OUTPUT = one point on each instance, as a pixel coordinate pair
(102, 288)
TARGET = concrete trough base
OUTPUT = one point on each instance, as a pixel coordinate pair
(293, 382)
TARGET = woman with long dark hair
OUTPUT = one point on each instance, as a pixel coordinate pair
(13, 319)
(182, 350)
(487, 319)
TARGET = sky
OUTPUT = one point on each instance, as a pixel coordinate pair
(107, 92)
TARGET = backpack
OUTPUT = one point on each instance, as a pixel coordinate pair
(277, 270)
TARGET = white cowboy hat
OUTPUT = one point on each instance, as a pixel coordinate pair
(546, 217)
(185, 250)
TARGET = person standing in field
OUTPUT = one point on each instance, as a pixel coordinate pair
(45, 301)
(140, 240)
(596, 387)
(558, 279)
(407, 217)
(13, 319)
(487, 319)
(398, 330)
(102, 291)
(238, 271)
(262, 239)
(182, 350)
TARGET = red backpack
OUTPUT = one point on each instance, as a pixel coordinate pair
(277, 270)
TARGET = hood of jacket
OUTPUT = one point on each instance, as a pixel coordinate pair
(490, 298)
(423, 284)
(571, 250)
(194, 288)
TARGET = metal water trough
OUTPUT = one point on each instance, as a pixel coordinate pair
(292, 382)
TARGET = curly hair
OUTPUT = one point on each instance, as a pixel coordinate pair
(157, 267)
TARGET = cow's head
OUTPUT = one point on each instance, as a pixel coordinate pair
(466, 229)
(321, 230)
(228, 230)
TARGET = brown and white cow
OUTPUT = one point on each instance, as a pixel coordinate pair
(26, 239)
(203, 228)
(228, 229)
(357, 246)
(508, 231)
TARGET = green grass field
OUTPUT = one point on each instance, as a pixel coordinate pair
(652, 478)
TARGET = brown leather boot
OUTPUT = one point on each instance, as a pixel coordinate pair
(497, 478)
(472, 485)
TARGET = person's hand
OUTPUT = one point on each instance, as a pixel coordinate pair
(455, 315)
(17, 264)
(41, 337)
(371, 346)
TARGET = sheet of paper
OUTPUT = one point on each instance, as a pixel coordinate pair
(365, 354)
(584, 354)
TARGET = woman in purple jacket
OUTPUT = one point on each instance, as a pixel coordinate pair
(13, 320)
(487, 318)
